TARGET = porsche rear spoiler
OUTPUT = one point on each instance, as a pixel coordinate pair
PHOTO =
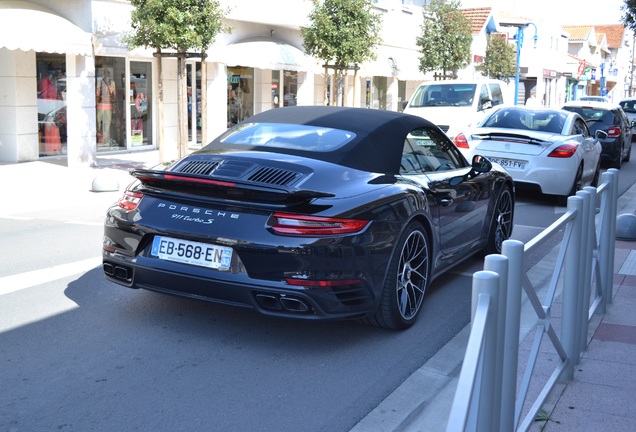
(209, 187)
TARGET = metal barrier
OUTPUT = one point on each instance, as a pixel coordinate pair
(486, 398)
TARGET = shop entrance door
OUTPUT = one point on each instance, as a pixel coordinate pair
(193, 70)
(140, 98)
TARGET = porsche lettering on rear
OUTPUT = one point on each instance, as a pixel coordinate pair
(195, 210)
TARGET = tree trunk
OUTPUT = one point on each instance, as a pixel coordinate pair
(204, 99)
(355, 86)
(182, 106)
(345, 75)
(335, 87)
(326, 95)
(160, 120)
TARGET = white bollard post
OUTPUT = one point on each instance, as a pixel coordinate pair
(569, 317)
(514, 251)
(499, 265)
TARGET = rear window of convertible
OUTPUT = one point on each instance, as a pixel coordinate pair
(288, 136)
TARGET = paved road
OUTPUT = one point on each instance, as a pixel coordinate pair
(79, 353)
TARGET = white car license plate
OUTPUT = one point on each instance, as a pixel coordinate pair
(509, 163)
(194, 253)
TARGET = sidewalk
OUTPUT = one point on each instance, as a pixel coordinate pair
(601, 397)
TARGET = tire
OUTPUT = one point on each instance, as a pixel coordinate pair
(576, 186)
(597, 174)
(406, 281)
(501, 223)
(618, 162)
(629, 153)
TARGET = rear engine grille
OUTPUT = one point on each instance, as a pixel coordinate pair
(274, 176)
(233, 169)
(199, 167)
(236, 169)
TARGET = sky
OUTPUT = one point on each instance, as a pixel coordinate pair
(563, 12)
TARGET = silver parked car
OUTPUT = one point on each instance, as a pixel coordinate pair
(550, 151)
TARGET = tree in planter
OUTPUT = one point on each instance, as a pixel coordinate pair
(184, 27)
(444, 43)
(342, 34)
(499, 61)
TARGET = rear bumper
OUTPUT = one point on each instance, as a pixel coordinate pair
(266, 297)
(611, 150)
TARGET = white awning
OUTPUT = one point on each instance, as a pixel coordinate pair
(26, 26)
(263, 54)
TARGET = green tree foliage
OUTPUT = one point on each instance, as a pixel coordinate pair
(343, 33)
(499, 62)
(629, 14)
(445, 39)
(181, 26)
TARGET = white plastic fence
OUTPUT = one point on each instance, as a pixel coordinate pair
(486, 399)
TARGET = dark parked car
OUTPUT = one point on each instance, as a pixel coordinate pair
(629, 107)
(610, 118)
(311, 212)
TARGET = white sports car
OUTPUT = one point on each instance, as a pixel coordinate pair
(550, 151)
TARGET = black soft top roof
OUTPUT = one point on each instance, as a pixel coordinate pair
(377, 146)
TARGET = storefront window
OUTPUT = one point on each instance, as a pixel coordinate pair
(290, 90)
(240, 98)
(378, 93)
(140, 95)
(401, 95)
(51, 76)
(275, 89)
(110, 77)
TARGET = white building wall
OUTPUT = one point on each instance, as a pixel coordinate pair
(217, 91)
(80, 110)
(18, 109)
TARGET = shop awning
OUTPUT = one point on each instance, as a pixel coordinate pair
(263, 54)
(26, 26)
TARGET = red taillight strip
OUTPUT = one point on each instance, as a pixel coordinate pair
(322, 283)
(613, 131)
(564, 151)
(130, 200)
(199, 180)
(314, 225)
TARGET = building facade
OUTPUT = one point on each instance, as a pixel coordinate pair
(70, 86)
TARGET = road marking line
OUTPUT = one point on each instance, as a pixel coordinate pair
(20, 218)
(9, 284)
(78, 222)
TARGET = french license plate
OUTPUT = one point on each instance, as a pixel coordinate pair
(194, 253)
(510, 163)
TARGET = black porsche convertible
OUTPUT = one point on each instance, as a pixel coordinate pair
(310, 212)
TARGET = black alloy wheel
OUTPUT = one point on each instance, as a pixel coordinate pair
(501, 224)
(406, 281)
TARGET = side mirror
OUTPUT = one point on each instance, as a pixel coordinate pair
(599, 134)
(486, 104)
(481, 164)
(404, 104)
